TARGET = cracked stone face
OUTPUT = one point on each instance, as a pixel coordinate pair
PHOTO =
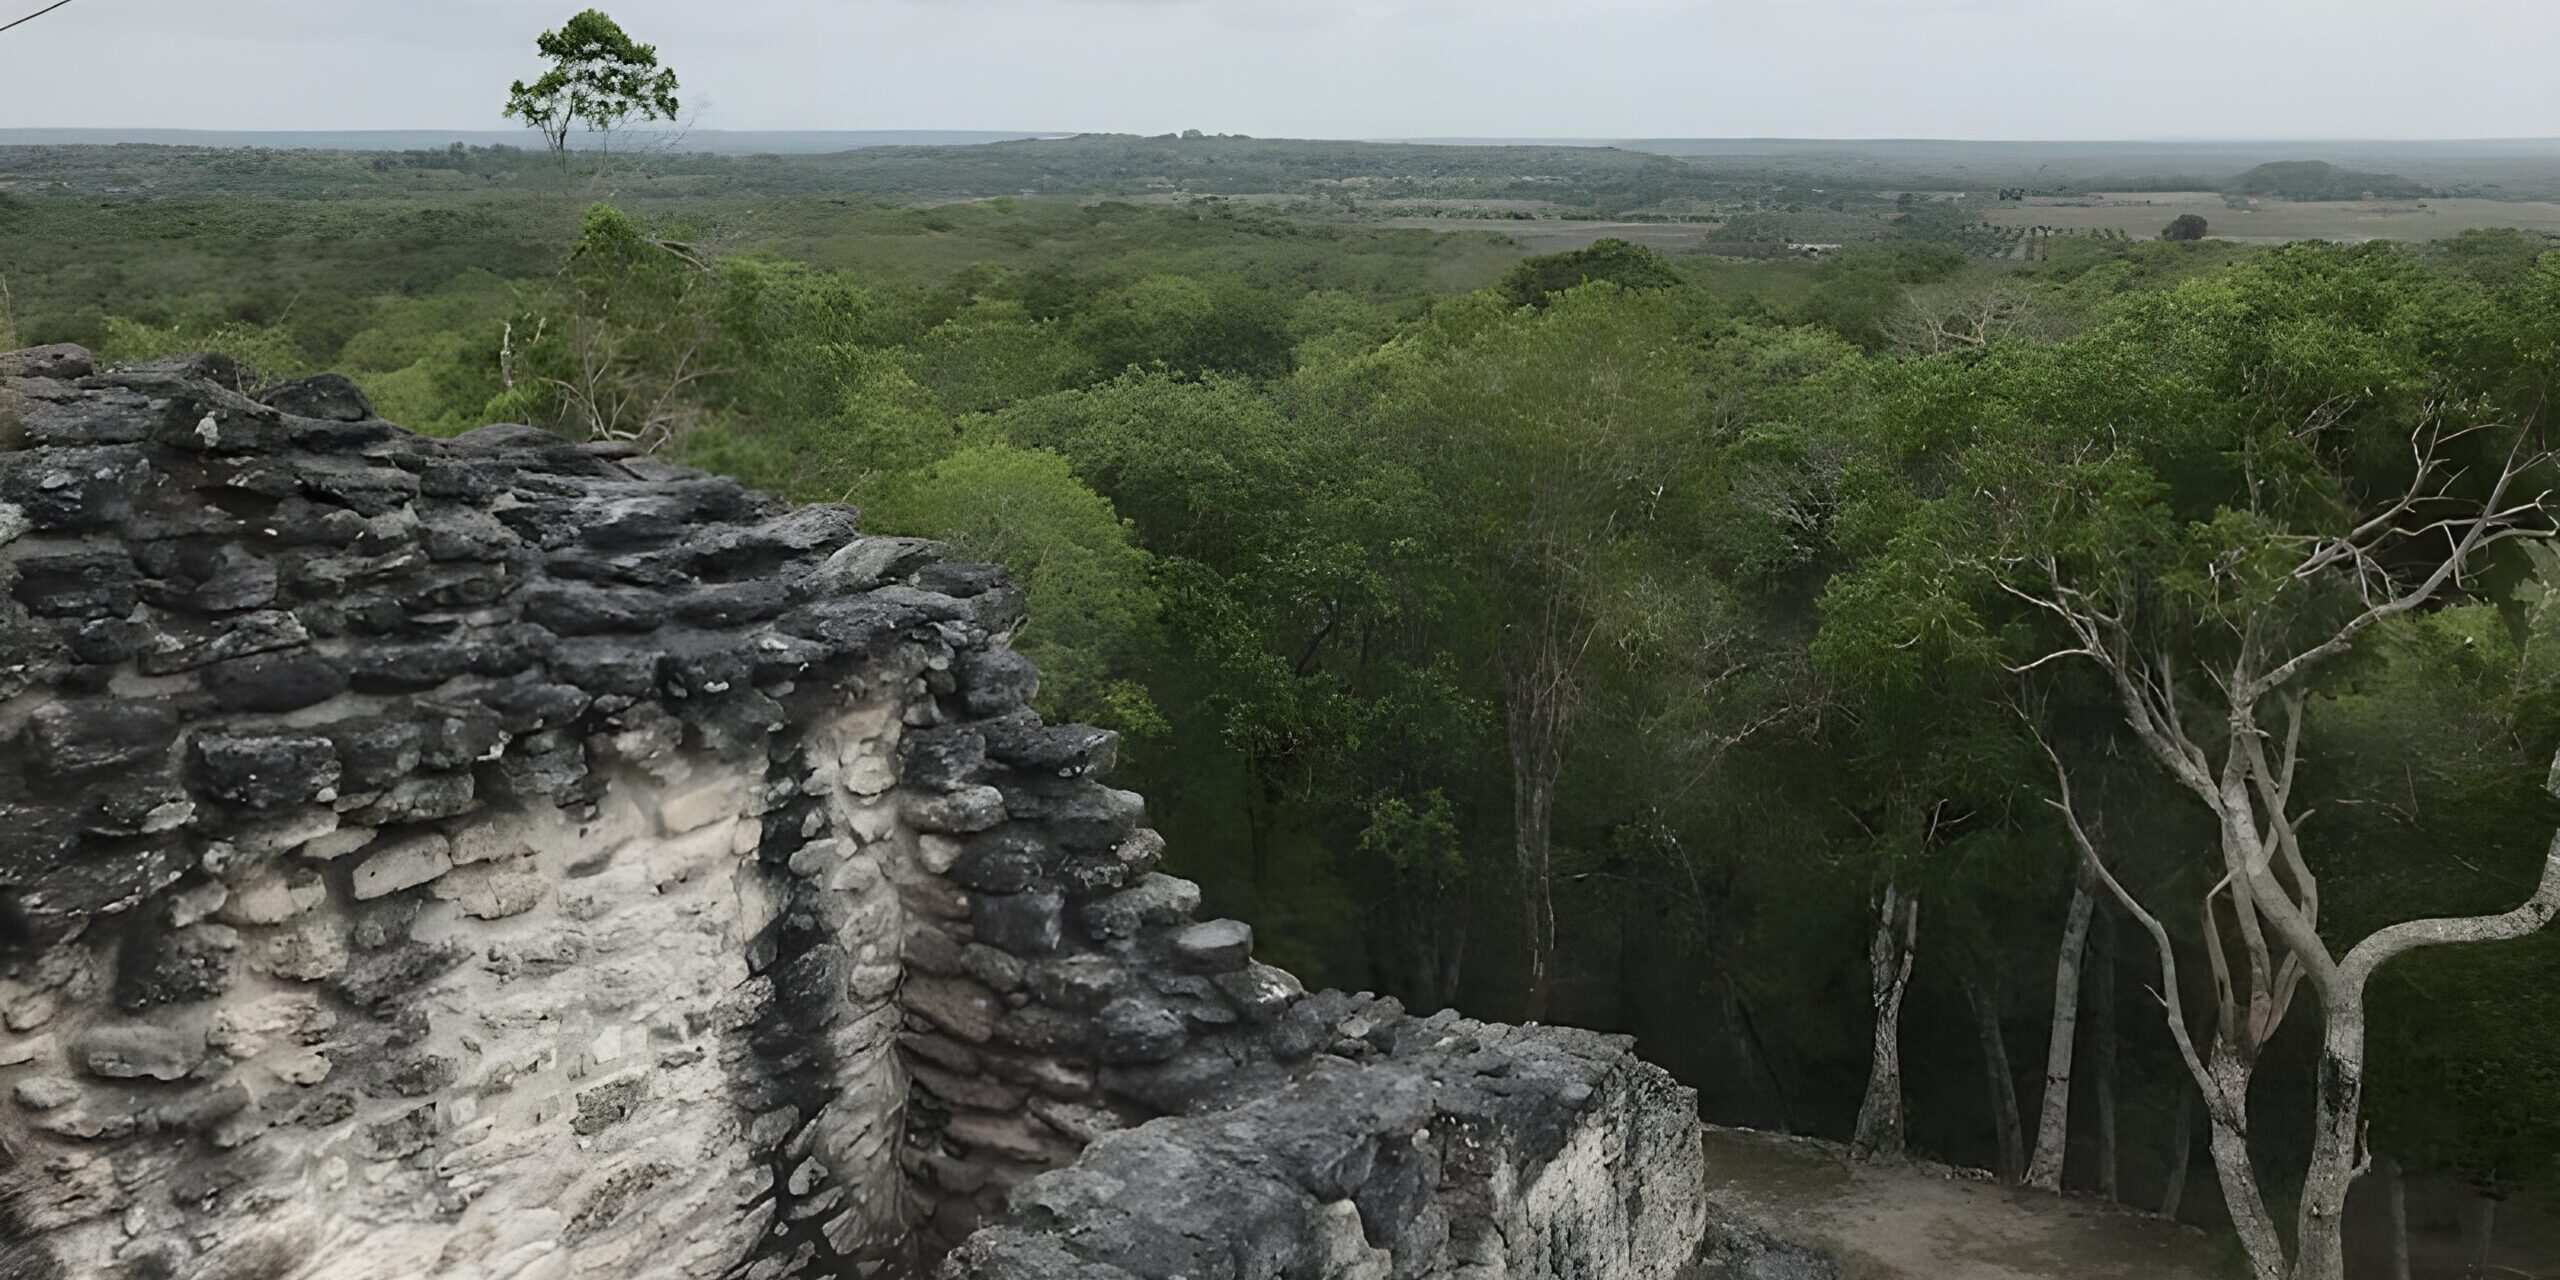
(506, 858)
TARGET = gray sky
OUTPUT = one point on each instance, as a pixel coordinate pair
(1341, 68)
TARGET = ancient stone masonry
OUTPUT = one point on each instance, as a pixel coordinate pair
(505, 858)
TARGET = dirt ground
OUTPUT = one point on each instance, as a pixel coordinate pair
(2143, 214)
(1924, 1222)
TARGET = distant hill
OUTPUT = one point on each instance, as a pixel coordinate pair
(732, 142)
(2320, 180)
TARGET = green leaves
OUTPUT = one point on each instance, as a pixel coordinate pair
(1093, 610)
(600, 77)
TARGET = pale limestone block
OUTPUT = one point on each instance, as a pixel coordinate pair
(306, 950)
(872, 982)
(489, 841)
(273, 897)
(858, 874)
(874, 821)
(249, 1028)
(337, 844)
(286, 831)
(403, 863)
(30, 1011)
(303, 1067)
(493, 890)
(936, 853)
(18, 1051)
(867, 723)
(196, 903)
(872, 772)
(687, 810)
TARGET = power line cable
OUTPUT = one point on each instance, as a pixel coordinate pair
(37, 14)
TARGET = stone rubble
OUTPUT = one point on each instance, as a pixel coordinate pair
(503, 858)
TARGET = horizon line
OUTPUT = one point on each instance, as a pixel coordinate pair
(1389, 139)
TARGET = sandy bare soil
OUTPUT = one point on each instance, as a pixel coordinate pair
(2143, 214)
(1925, 1222)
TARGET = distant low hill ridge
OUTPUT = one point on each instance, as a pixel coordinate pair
(2320, 180)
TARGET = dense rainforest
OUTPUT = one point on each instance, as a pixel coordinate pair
(1886, 685)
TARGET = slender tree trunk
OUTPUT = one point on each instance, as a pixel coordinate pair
(1538, 698)
(2182, 1155)
(2053, 1123)
(2479, 1227)
(2003, 1082)
(1532, 813)
(2226, 1118)
(2337, 1145)
(2102, 1043)
(2395, 1208)
(1879, 1135)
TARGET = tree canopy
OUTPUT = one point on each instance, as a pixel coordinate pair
(599, 78)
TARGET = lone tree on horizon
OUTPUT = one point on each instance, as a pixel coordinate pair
(600, 77)
(2186, 226)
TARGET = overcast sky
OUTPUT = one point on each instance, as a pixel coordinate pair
(1341, 68)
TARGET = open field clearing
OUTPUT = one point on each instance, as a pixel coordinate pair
(1555, 235)
(2142, 215)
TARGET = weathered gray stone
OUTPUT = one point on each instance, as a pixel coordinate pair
(139, 1051)
(961, 1008)
(1159, 901)
(971, 809)
(1218, 946)
(1136, 1030)
(1027, 924)
(403, 863)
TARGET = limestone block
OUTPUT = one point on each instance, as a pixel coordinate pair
(45, 1093)
(138, 1051)
(698, 807)
(868, 773)
(961, 812)
(964, 1090)
(20, 1050)
(488, 841)
(403, 863)
(274, 896)
(306, 950)
(958, 1006)
(1131, 1029)
(1078, 1122)
(937, 854)
(302, 1067)
(196, 902)
(493, 890)
(1013, 1136)
(336, 844)
(874, 821)
(289, 830)
(246, 1029)
(1026, 924)
(1217, 946)
(1155, 902)
(1260, 992)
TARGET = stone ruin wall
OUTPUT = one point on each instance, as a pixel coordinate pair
(508, 859)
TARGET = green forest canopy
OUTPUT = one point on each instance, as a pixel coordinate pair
(1279, 489)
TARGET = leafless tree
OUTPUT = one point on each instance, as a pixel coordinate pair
(2053, 1119)
(1935, 319)
(2261, 918)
